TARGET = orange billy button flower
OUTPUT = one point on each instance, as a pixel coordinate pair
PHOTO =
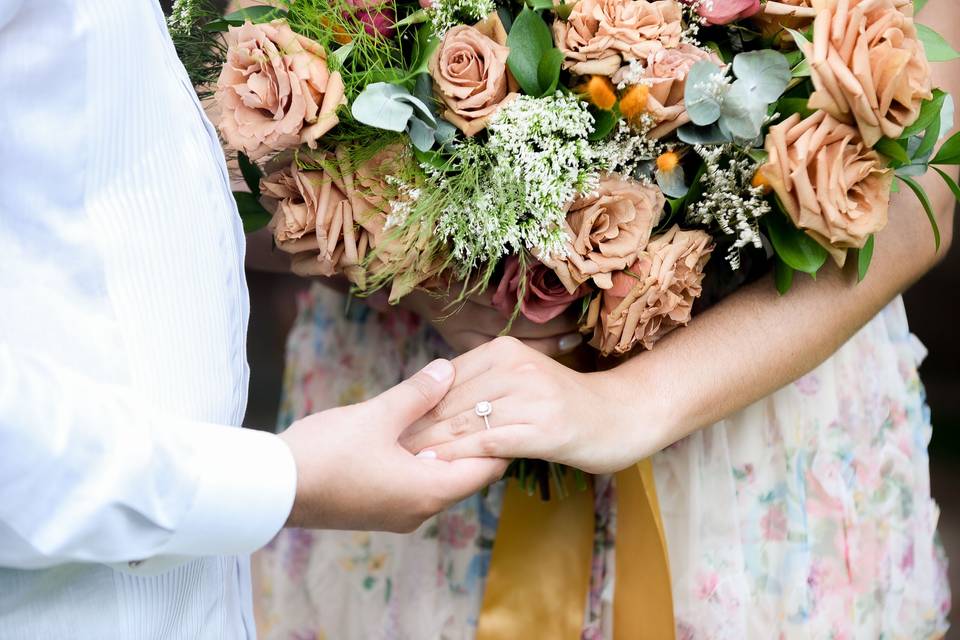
(599, 90)
(634, 101)
(760, 180)
(668, 161)
(340, 35)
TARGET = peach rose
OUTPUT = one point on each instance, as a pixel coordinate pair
(275, 91)
(776, 15)
(830, 183)
(600, 35)
(470, 75)
(868, 66)
(655, 297)
(666, 75)
(606, 231)
(343, 211)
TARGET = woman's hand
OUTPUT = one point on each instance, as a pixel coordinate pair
(541, 409)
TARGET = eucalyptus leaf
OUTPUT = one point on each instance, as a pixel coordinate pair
(938, 49)
(742, 113)
(864, 256)
(672, 183)
(378, 105)
(710, 135)
(792, 245)
(421, 134)
(946, 116)
(912, 169)
(765, 74)
(445, 132)
(702, 102)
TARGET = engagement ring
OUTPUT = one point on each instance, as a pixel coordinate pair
(484, 409)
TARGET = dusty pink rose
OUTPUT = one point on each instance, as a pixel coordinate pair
(275, 91)
(666, 76)
(830, 183)
(868, 65)
(726, 11)
(654, 296)
(470, 75)
(600, 35)
(544, 297)
(607, 229)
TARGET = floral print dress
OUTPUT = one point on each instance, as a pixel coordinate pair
(807, 515)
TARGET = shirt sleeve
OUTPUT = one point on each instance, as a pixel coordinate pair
(7, 10)
(89, 473)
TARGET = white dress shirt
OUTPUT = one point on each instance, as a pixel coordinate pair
(123, 313)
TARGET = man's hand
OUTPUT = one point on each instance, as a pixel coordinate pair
(352, 473)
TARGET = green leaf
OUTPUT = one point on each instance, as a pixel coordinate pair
(793, 246)
(929, 111)
(782, 275)
(893, 150)
(930, 137)
(603, 123)
(918, 5)
(927, 207)
(529, 41)
(252, 213)
(864, 256)
(786, 107)
(938, 49)
(950, 183)
(237, 18)
(711, 135)
(423, 47)
(251, 173)
(949, 152)
(340, 54)
(548, 71)
(798, 38)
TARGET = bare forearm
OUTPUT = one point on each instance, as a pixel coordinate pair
(755, 341)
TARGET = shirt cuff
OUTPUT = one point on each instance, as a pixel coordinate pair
(246, 487)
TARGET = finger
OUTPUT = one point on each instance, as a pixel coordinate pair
(412, 398)
(461, 478)
(463, 397)
(308, 242)
(509, 441)
(554, 347)
(425, 434)
(306, 265)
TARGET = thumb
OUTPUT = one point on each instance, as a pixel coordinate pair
(408, 401)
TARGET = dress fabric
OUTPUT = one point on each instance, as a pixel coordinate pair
(807, 515)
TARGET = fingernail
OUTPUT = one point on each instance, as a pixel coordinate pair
(427, 455)
(570, 342)
(439, 370)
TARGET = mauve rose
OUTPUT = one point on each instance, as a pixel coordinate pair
(655, 297)
(275, 91)
(376, 20)
(868, 65)
(600, 35)
(830, 183)
(470, 75)
(726, 11)
(606, 231)
(544, 298)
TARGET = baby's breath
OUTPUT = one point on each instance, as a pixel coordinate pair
(445, 14)
(729, 202)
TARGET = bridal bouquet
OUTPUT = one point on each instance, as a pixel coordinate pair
(593, 154)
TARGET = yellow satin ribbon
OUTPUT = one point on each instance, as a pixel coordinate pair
(539, 578)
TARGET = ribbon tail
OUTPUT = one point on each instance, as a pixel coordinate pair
(539, 577)
(642, 597)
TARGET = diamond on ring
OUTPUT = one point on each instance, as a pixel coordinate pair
(483, 409)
